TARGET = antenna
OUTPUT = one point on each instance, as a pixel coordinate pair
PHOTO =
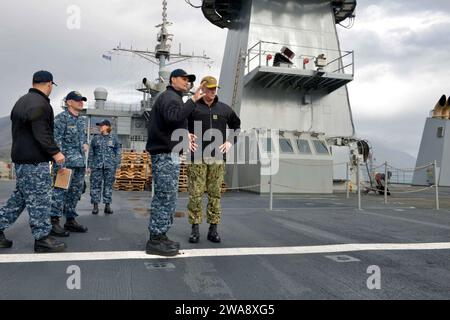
(162, 53)
(164, 12)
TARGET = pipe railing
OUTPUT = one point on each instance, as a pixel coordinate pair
(341, 61)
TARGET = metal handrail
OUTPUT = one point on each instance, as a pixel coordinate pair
(259, 52)
(340, 58)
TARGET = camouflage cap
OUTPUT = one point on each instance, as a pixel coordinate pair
(210, 82)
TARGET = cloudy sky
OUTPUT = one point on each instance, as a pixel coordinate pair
(402, 51)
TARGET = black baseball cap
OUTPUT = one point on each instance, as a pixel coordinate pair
(42, 77)
(104, 122)
(76, 96)
(181, 73)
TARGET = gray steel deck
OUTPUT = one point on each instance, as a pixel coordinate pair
(297, 221)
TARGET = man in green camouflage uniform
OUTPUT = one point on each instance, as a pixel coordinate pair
(207, 168)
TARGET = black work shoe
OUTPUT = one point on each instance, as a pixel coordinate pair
(5, 243)
(195, 234)
(57, 230)
(108, 209)
(213, 236)
(48, 244)
(95, 209)
(170, 243)
(74, 226)
(155, 245)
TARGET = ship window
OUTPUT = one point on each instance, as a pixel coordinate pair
(321, 147)
(267, 145)
(303, 146)
(286, 146)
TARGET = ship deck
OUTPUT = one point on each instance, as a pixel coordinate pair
(308, 247)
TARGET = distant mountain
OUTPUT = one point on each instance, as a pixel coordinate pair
(395, 158)
(5, 141)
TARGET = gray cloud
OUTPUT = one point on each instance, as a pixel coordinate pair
(34, 36)
(407, 59)
(410, 60)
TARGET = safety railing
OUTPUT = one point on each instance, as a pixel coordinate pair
(118, 107)
(386, 187)
(263, 54)
(399, 176)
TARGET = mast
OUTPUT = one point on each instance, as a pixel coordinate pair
(162, 55)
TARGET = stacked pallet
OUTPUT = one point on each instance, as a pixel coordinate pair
(224, 188)
(183, 180)
(134, 171)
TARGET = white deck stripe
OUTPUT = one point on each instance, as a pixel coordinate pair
(222, 252)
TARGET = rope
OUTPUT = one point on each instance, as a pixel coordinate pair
(241, 188)
(412, 169)
(413, 191)
(296, 189)
(391, 191)
(311, 165)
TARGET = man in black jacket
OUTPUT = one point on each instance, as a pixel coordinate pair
(207, 168)
(33, 146)
(168, 114)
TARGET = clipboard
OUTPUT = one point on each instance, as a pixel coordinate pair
(63, 178)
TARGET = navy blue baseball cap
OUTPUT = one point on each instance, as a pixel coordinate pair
(104, 122)
(42, 77)
(181, 73)
(76, 96)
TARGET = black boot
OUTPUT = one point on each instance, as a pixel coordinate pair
(170, 243)
(108, 209)
(74, 226)
(57, 230)
(213, 236)
(48, 244)
(95, 209)
(156, 245)
(195, 234)
(5, 243)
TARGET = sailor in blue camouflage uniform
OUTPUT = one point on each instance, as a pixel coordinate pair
(103, 162)
(33, 147)
(71, 137)
(169, 113)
